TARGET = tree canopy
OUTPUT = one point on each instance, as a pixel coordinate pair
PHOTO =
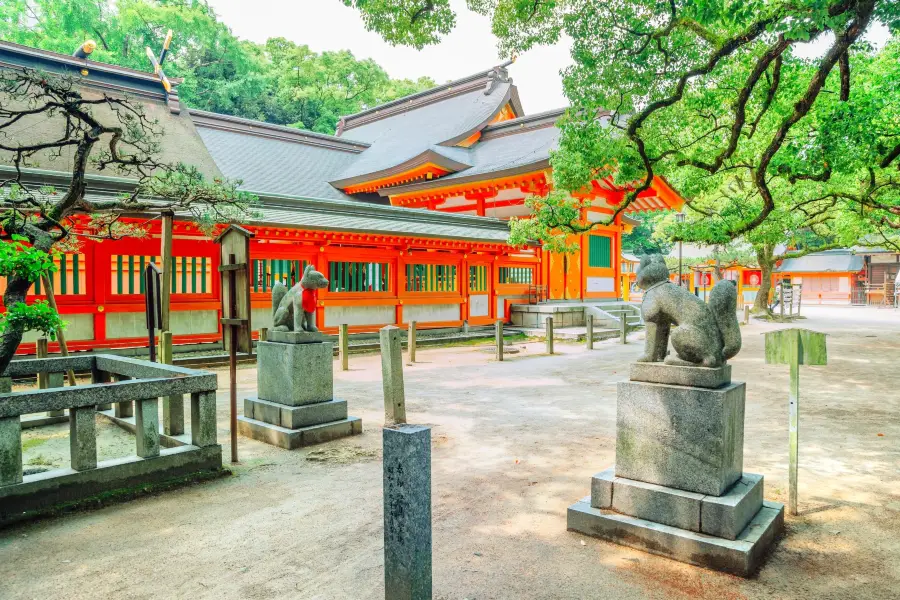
(715, 96)
(279, 81)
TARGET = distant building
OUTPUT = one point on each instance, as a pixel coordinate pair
(830, 277)
(404, 210)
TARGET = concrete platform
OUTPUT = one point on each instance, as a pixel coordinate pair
(295, 417)
(298, 438)
(742, 556)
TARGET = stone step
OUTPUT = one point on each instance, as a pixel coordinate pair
(290, 439)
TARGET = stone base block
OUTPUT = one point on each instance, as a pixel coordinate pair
(702, 377)
(688, 438)
(742, 556)
(295, 374)
(723, 516)
(295, 337)
(295, 417)
(297, 438)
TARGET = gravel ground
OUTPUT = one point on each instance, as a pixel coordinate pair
(514, 444)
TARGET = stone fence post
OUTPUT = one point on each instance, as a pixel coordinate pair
(407, 512)
(589, 332)
(392, 375)
(411, 342)
(498, 339)
(344, 346)
(549, 335)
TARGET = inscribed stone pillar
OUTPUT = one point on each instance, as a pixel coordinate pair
(407, 512)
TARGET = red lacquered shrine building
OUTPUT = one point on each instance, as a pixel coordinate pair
(404, 209)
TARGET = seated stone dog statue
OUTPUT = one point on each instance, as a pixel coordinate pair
(294, 309)
(702, 335)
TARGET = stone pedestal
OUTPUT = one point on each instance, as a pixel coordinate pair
(295, 384)
(678, 487)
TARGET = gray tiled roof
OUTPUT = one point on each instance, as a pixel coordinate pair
(840, 261)
(397, 138)
(352, 216)
(276, 166)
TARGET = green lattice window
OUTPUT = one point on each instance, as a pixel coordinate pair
(515, 275)
(599, 251)
(266, 271)
(431, 278)
(68, 280)
(478, 281)
(188, 274)
(358, 277)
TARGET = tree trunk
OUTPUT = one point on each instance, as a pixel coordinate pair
(765, 255)
(16, 290)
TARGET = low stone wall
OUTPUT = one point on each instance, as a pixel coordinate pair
(134, 387)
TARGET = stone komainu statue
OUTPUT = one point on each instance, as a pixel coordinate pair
(702, 335)
(294, 309)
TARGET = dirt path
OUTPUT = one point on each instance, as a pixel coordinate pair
(514, 444)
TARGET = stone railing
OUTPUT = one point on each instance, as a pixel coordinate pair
(133, 385)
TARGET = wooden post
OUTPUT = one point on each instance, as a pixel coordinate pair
(781, 299)
(498, 339)
(173, 406)
(589, 332)
(793, 424)
(549, 335)
(623, 328)
(234, 270)
(263, 334)
(48, 380)
(746, 314)
(411, 341)
(60, 335)
(344, 346)
(166, 268)
(795, 347)
(392, 375)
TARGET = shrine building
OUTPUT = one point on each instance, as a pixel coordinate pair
(404, 210)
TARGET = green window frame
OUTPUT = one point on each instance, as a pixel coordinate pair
(600, 251)
(478, 281)
(358, 277)
(187, 274)
(515, 275)
(431, 278)
(266, 271)
(69, 279)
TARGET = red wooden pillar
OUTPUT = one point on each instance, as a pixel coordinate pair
(100, 261)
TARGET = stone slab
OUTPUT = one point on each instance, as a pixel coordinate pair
(665, 505)
(295, 337)
(726, 516)
(742, 556)
(682, 437)
(295, 417)
(45, 490)
(297, 438)
(602, 488)
(702, 377)
(295, 374)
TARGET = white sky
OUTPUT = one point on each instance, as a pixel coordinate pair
(471, 47)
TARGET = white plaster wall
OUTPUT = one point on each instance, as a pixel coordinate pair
(261, 317)
(423, 313)
(193, 322)
(126, 325)
(500, 304)
(478, 305)
(81, 327)
(601, 284)
(359, 315)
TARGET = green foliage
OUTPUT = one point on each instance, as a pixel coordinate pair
(554, 219)
(17, 259)
(644, 237)
(415, 23)
(32, 317)
(279, 81)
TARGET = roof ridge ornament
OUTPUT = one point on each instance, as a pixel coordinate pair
(498, 75)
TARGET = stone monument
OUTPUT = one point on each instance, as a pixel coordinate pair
(295, 404)
(678, 488)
